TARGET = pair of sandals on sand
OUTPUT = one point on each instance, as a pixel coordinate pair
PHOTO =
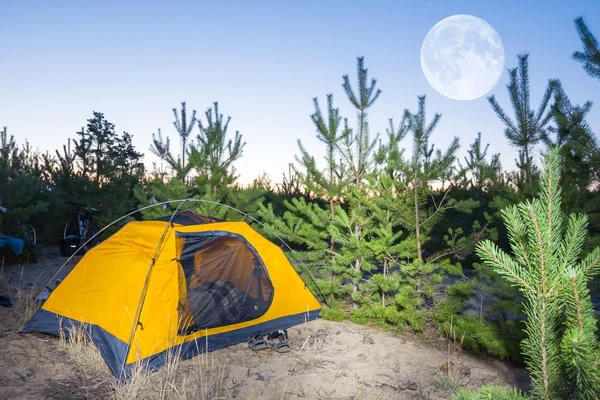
(276, 340)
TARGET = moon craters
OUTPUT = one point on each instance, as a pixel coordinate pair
(462, 57)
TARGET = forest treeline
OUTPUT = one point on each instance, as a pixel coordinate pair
(388, 229)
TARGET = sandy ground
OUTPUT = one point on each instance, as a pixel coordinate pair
(328, 360)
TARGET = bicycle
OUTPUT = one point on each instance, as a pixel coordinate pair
(27, 231)
(82, 226)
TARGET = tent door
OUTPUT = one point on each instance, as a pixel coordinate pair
(222, 281)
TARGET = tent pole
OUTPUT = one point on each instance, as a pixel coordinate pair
(248, 289)
(138, 312)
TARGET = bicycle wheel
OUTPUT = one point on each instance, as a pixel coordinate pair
(70, 230)
(31, 235)
(67, 227)
(90, 230)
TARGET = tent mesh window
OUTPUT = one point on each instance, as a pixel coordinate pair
(222, 281)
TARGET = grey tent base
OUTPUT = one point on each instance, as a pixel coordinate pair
(114, 350)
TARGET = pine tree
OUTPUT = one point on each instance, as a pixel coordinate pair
(482, 172)
(397, 298)
(94, 145)
(162, 147)
(389, 296)
(61, 169)
(263, 181)
(358, 146)
(305, 225)
(424, 168)
(125, 159)
(83, 154)
(245, 199)
(580, 151)
(103, 154)
(590, 56)
(64, 180)
(291, 184)
(358, 153)
(108, 168)
(385, 239)
(329, 182)
(561, 348)
(334, 238)
(214, 154)
(390, 157)
(388, 243)
(21, 184)
(8, 152)
(158, 190)
(529, 125)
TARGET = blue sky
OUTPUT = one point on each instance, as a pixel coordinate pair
(263, 61)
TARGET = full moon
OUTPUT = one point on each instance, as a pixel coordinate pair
(462, 57)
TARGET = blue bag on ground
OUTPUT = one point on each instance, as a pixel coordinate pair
(15, 244)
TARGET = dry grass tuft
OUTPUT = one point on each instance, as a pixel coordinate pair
(314, 340)
(200, 378)
(77, 343)
(207, 379)
(23, 303)
(140, 386)
(451, 372)
(24, 306)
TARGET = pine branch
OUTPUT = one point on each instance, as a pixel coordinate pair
(516, 233)
(495, 257)
(537, 233)
(469, 244)
(590, 57)
(590, 265)
(540, 119)
(573, 242)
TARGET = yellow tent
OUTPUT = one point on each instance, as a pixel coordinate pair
(155, 286)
